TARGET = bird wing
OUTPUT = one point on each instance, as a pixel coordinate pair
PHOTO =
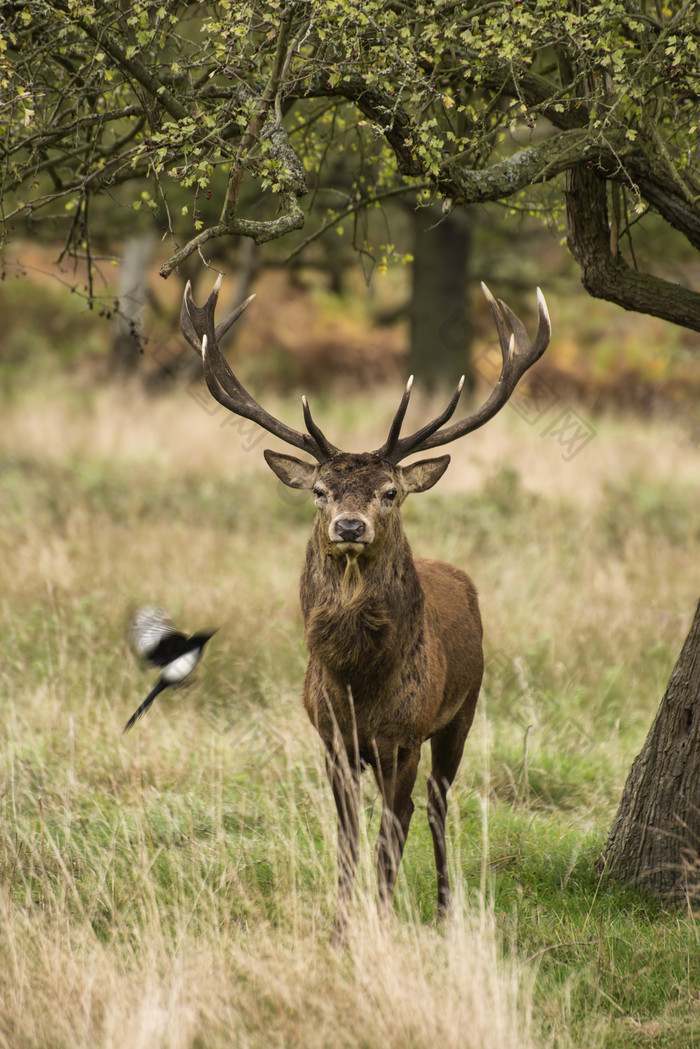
(179, 655)
(171, 647)
(149, 627)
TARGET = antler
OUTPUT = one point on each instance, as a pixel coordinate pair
(513, 337)
(198, 327)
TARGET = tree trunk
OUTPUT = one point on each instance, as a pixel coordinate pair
(655, 838)
(127, 342)
(441, 328)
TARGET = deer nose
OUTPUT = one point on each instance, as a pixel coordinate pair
(350, 529)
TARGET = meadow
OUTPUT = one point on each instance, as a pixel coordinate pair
(174, 887)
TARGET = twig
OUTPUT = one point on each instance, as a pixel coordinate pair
(355, 207)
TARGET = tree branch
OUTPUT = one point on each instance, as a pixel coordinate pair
(292, 217)
(382, 109)
(138, 72)
(259, 119)
(538, 163)
(662, 193)
(607, 276)
(553, 103)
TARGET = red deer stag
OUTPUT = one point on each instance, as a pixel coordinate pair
(395, 653)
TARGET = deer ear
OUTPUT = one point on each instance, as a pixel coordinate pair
(420, 476)
(295, 473)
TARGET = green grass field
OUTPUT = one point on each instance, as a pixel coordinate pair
(174, 888)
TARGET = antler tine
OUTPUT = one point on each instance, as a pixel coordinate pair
(516, 326)
(206, 314)
(198, 327)
(395, 429)
(318, 435)
(544, 329)
(504, 335)
(397, 448)
(224, 326)
(518, 354)
(188, 329)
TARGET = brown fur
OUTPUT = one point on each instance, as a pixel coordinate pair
(394, 645)
(395, 658)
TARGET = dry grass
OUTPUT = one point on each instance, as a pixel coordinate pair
(175, 888)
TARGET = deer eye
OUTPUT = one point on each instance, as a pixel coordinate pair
(389, 495)
(319, 494)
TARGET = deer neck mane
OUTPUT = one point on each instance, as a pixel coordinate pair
(363, 615)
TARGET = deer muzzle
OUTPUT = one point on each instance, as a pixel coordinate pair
(351, 532)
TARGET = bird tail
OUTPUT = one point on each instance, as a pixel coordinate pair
(160, 685)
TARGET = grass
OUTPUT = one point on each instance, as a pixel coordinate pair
(175, 887)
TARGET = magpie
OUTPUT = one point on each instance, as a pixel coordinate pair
(153, 638)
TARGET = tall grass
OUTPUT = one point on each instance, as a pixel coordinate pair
(175, 890)
(175, 887)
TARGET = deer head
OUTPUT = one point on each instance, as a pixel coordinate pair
(358, 494)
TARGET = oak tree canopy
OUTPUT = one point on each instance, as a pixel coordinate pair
(591, 108)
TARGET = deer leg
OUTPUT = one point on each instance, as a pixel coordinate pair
(396, 776)
(344, 779)
(447, 747)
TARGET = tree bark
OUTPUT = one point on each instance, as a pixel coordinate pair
(441, 327)
(655, 838)
(604, 273)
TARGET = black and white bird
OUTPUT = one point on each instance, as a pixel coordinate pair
(153, 638)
